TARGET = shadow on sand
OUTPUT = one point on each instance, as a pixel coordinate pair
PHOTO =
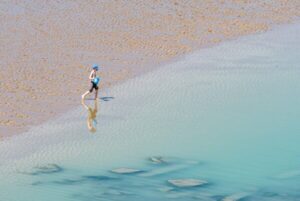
(104, 98)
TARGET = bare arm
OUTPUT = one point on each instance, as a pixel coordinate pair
(91, 77)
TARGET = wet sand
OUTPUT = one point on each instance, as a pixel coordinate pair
(207, 117)
(47, 48)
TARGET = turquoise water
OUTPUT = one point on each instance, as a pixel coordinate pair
(228, 115)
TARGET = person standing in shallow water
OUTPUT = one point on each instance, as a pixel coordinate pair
(94, 82)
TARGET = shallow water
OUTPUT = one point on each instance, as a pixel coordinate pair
(227, 115)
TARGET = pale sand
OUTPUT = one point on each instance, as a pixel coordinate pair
(47, 47)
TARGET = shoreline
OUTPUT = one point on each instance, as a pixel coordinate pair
(34, 104)
(116, 86)
(202, 114)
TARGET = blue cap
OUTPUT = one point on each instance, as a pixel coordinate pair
(95, 66)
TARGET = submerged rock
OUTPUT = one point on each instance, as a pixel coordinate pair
(288, 175)
(165, 189)
(126, 171)
(182, 183)
(169, 167)
(157, 159)
(37, 183)
(98, 178)
(112, 191)
(236, 197)
(47, 169)
(269, 194)
(205, 196)
(176, 195)
(165, 170)
(68, 182)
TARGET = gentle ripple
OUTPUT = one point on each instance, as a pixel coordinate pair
(227, 114)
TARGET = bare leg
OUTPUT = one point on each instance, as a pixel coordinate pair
(84, 95)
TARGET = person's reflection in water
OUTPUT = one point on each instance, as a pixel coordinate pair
(92, 114)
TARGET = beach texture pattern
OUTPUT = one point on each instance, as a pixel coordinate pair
(48, 46)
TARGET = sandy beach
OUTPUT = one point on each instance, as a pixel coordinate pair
(218, 124)
(47, 48)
